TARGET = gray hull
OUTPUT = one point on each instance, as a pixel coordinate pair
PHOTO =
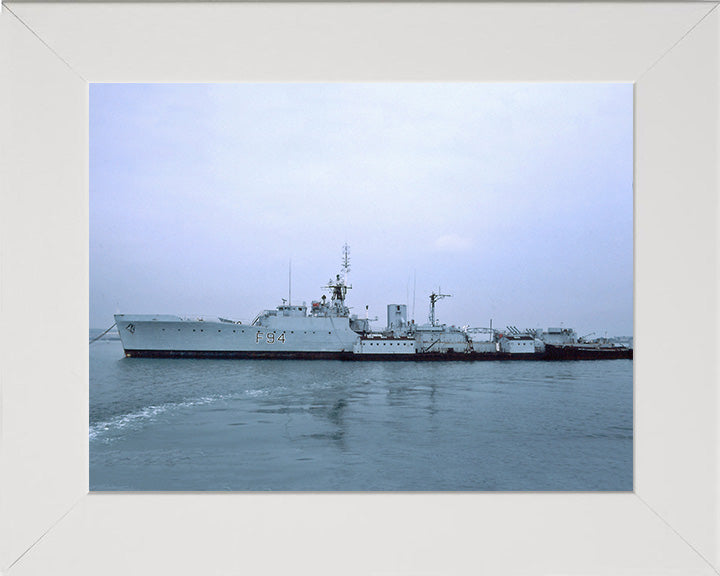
(147, 335)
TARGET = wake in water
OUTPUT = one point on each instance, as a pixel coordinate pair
(107, 430)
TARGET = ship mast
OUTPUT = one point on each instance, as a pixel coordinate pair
(339, 287)
(346, 262)
(342, 283)
(434, 298)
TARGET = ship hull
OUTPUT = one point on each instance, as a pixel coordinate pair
(555, 356)
(239, 354)
(173, 337)
(305, 338)
(580, 353)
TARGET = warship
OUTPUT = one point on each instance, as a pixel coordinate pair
(327, 330)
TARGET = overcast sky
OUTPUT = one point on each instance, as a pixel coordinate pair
(516, 199)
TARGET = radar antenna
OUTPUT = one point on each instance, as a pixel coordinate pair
(434, 298)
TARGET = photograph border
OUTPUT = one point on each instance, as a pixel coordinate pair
(48, 520)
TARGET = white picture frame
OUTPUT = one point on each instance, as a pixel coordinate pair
(49, 523)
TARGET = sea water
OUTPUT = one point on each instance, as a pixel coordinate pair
(199, 424)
